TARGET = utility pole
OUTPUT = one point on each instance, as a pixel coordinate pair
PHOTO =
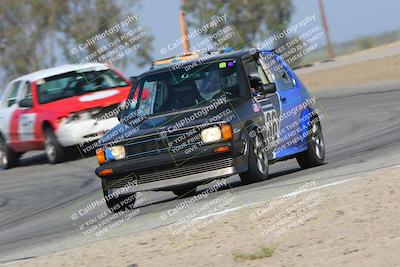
(184, 38)
(331, 53)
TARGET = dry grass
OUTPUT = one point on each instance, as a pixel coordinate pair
(378, 70)
(264, 252)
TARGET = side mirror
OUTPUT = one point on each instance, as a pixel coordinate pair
(25, 103)
(267, 88)
(263, 89)
(255, 82)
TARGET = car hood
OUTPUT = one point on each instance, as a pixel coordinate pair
(98, 99)
(164, 124)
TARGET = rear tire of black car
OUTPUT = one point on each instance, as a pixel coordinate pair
(258, 162)
(315, 153)
(118, 203)
(8, 158)
(185, 191)
(55, 152)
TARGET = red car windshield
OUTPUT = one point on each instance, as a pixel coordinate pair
(77, 83)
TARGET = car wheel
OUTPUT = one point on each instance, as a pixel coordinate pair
(185, 191)
(315, 153)
(258, 162)
(117, 203)
(8, 158)
(54, 151)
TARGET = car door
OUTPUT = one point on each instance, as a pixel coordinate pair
(269, 104)
(290, 101)
(9, 105)
(26, 117)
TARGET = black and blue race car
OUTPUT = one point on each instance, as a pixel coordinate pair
(190, 120)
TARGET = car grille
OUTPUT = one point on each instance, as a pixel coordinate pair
(171, 173)
(105, 113)
(94, 136)
(185, 170)
(157, 144)
(153, 145)
(119, 182)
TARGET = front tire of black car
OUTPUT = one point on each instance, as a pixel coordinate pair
(185, 191)
(118, 203)
(55, 152)
(258, 162)
(8, 158)
(315, 153)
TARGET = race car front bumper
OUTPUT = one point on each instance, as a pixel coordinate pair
(164, 172)
(83, 132)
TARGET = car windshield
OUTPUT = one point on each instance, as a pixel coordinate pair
(76, 83)
(188, 88)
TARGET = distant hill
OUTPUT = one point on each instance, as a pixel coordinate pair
(361, 43)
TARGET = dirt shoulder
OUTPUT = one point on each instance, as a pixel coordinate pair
(368, 71)
(349, 224)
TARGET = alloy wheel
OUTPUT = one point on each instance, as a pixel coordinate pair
(3, 158)
(50, 149)
(317, 140)
(261, 155)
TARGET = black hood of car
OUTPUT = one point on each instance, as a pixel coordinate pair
(167, 123)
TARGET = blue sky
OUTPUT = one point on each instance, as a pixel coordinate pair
(348, 19)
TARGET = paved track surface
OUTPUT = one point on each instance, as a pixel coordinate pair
(362, 132)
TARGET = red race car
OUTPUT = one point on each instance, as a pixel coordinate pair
(57, 108)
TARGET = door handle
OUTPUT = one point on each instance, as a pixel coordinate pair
(283, 99)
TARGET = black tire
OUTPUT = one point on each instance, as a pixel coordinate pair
(119, 203)
(8, 158)
(258, 162)
(315, 153)
(55, 152)
(185, 191)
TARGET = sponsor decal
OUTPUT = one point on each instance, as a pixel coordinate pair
(255, 106)
(98, 96)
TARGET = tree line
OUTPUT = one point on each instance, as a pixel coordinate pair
(37, 34)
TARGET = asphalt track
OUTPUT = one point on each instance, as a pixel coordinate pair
(361, 129)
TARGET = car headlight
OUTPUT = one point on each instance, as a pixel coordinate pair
(211, 135)
(115, 153)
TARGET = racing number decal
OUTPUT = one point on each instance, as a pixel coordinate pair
(26, 127)
(271, 121)
(271, 108)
